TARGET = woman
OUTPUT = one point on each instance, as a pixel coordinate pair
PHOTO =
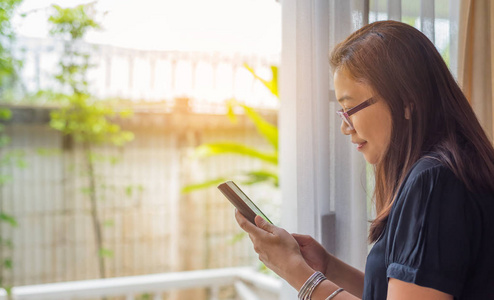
(434, 173)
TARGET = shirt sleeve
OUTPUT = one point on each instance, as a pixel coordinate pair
(430, 232)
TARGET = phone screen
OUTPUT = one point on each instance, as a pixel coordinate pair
(240, 200)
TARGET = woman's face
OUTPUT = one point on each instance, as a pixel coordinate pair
(372, 125)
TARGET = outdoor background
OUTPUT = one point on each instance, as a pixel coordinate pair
(119, 118)
(105, 106)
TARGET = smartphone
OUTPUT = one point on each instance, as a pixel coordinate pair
(240, 200)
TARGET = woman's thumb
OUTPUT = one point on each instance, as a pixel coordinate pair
(302, 239)
(261, 223)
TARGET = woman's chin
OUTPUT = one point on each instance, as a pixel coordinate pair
(371, 159)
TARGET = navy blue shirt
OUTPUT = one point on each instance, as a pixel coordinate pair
(438, 235)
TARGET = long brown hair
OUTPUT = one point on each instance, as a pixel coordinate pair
(406, 71)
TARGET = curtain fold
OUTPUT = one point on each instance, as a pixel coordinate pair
(476, 58)
(491, 23)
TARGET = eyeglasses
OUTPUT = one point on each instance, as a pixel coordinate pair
(345, 116)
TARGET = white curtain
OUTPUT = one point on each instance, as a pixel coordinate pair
(476, 58)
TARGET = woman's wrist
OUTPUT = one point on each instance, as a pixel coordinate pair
(330, 267)
(305, 293)
(326, 290)
(317, 286)
(298, 274)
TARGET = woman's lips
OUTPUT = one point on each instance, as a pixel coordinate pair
(360, 145)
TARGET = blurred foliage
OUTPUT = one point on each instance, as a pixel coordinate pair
(202, 185)
(213, 149)
(132, 190)
(145, 296)
(270, 134)
(106, 253)
(272, 84)
(8, 64)
(88, 121)
(9, 158)
(267, 130)
(73, 23)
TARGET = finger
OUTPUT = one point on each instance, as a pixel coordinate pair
(252, 239)
(302, 239)
(263, 224)
(246, 225)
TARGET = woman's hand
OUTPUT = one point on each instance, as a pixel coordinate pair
(277, 249)
(314, 253)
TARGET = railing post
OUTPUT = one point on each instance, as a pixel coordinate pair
(244, 292)
(214, 292)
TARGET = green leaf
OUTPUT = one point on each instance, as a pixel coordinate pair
(15, 157)
(96, 157)
(73, 22)
(202, 185)
(8, 289)
(20, 163)
(106, 253)
(128, 191)
(237, 237)
(5, 114)
(266, 129)
(145, 296)
(48, 151)
(7, 263)
(57, 124)
(230, 104)
(261, 176)
(4, 179)
(86, 190)
(8, 219)
(4, 140)
(272, 85)
(126, 113)
(8, 243)
(114, 160)
(213, 149)
(109, 223)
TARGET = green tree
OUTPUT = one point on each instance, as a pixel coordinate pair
(8, 77)
(87, 120)
(8, 159)
(8, 64)
(6, 219)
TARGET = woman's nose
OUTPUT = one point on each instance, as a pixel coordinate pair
(345, 128)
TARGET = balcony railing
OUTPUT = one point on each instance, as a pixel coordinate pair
(208, 79)
(248, 284)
